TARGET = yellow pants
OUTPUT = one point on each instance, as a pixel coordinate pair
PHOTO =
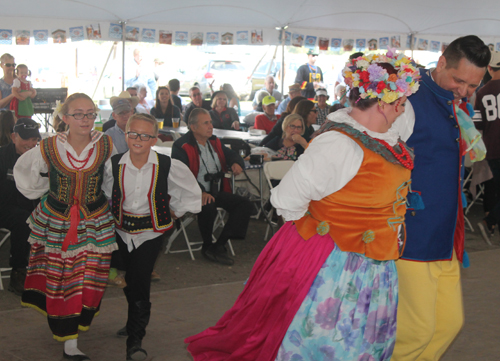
(430, 309)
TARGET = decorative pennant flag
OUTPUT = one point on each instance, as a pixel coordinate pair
(59, 36)
(181, 38)
(372, 44)
(227, 39)
(360, 44)
(323, 43)
(383, 42)
(242, 37)
(297, 40)
(213, 38)
(115, 31)
(336, 44)
(5, 37)
(423, 44)
(93, 31)
(435, 46)
(165, 37)
(76, 33)
(348, 44)
(148, 35)
(310, 42)
(22, 37)
(131, 33)
(257, 37)
(197, 38)
(396, 41)
(288, 38)
(41, 37)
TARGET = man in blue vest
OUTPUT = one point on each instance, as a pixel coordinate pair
(430, 310)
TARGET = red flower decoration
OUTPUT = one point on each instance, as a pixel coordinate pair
(380, 86)
(364, 76)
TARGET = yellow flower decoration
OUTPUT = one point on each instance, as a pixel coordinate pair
(389, 97)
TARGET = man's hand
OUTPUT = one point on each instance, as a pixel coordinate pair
(236, 125)
(207, 198)
(236, 169)
(172, 215)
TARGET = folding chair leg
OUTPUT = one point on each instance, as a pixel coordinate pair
(468, 224)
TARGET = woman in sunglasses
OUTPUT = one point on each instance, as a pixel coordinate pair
(8, 65)
(72, 229)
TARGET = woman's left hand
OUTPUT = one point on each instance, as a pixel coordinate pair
(236, 125)
(297, 138)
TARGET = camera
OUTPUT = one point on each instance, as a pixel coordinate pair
(214, 179)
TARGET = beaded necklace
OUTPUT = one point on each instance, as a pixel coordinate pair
(84, 162)
(403, 158)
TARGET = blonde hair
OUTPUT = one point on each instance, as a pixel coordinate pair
(145, 117)
(219, 94)
(72, 98)
(290, 119)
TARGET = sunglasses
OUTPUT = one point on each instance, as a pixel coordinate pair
(26, 126)
(10, 65)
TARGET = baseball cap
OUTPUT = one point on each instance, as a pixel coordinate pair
(495, 59)
(268, 100)
(321, 91)
(121, 105)
(27, 128)
(313, 52)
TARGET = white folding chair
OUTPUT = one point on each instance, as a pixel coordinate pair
(185, 221)
(4, 239)
(219, 222)
(275, 171)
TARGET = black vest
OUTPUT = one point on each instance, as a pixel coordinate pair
(159, 218)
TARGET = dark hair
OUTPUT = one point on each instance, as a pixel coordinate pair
(354, 95)
(7, 123)
(23, 66)
(131, 87)
(469, 47)
(229, 90)
(335, 107)
(170, 106)
(303, 108)
(291, 105)
(356, 55)
(174, 85)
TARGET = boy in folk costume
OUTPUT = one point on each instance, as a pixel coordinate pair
(149, 190)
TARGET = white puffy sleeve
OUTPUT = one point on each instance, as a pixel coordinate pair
(107, 183)
(28, 174)
(405, 122)
(330, 161)
(184, 191)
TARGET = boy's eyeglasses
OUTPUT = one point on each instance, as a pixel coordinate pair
(80, 116)
(143, 137)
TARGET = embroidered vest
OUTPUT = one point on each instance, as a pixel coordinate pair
(68, 185)
(367, 215)
(159, 219)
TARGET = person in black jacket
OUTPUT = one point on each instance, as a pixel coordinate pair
(309, 75)
(15, 209)
(210, 160)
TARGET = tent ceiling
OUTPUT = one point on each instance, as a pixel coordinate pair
(443, 17)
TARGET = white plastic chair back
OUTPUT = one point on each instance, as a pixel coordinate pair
(276, 170)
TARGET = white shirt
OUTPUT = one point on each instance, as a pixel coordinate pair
(183, 189)
(330, 161)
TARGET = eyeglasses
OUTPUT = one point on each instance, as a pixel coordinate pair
(26, 126)
(295, 127)
(143, 137)
(314, 110)
(80, 116)
(194, 95)
(10, 65)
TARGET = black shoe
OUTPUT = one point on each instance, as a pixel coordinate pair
(136, 353)
(75, 357)
(485, 232)
(219, 255)
(122, 332)
(16, 284)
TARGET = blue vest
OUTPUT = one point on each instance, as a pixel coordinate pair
(437, 174)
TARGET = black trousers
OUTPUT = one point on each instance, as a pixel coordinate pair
(14, 219)
(239, 209)
(139, 264)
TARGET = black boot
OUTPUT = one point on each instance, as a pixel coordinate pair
(17, 278)
(138, 318)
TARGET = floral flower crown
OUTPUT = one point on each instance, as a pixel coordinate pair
(373, 81)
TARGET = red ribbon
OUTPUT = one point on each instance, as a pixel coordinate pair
(72, 235)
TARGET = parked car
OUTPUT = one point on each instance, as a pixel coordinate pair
(259, 76)
(224, 71)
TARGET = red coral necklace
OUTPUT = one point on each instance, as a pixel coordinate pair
(83, 162)
(404, 158)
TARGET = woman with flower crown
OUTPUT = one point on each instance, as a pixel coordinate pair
(326, 287)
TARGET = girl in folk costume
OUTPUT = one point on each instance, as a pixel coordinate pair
(326, 287)
(72, 233)
(23, 93)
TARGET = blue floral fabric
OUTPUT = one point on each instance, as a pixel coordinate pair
(348, 314)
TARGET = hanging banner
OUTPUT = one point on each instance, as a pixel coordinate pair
(348, 44)
(115, 31)
(181, 38)
(297, 40)
(76, 33)
(383, 43)
(257, 37)
(5, 37)
(213, 38)
(242, 37)
(94, 31)
(360, 44)
(336, 44)
(59, 36)
(288, 38)
(22, 37)
(227, 39)
(41, 37)
(165, 37)
(372, 44)
(423, 44)
(323, 43)
(310, 42)
(197, 38)
(148, 35)
(435, 46)
(131, 33)
(396, 41)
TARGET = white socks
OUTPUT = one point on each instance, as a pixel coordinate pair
(71, 348)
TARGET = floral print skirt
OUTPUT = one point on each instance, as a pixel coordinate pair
(348, 314)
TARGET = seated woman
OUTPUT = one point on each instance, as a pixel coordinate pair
(222, 116)
(234, 99)
(291, 144)
(165, 108)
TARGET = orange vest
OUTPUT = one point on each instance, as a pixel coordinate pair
(365, 215)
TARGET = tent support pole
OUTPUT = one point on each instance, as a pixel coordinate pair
(283, 62)
(104, 68)
(122, 23)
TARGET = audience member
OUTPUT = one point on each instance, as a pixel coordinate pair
(222, 116)
(7, 122)
(270, 87)
(209, 160)
(23, 93)
(291, 144)
(267, 120)
(175, 86)
(165, 108)
(293, 91)
(323, 108)
(234, 99)
(196, 102)
(309, 76)
(15, 208)
(140, 73)
(145, 104)
(249, 119)
(8, 65)
(122, 110)
(140, 217)
(341, 96)
(131, 96)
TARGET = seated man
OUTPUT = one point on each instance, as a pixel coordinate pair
(131, 95)
(209, 159)
(15, 209)
(269, 86)
(196, 102)
(122, 110)
(175, 85)
(267, 120)
(293, 91)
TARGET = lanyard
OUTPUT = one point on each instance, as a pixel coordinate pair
(212, 154)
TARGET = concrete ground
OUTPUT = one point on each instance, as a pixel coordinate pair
(193, 295)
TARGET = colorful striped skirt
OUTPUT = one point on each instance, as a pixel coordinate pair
(68, 286)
